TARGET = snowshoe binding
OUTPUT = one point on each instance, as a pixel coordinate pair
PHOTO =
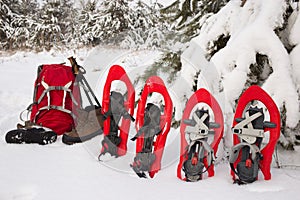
(247, 155)
(116, 110)
(152, 129)
(197, 155)
(198, 149)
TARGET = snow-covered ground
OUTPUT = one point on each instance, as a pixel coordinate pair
(58, 171)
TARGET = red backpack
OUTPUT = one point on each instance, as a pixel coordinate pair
(56, 98)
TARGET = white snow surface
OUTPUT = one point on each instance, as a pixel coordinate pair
(58, 171)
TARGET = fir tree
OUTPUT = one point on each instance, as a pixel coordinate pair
(113, 21)
(47, 30)
(86, 21)
(257, 66)
(16, 21)
(185, 16)
(184, 19)
(144, 30)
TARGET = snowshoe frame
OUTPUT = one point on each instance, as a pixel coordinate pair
(117, 73)
(255, 93)
(154, 84)
(200, 96)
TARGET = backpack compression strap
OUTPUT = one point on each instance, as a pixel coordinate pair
(48, 89)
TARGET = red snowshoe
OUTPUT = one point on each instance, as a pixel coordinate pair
(152, 127)
(197, 154)
(116, 108)
(248, 155)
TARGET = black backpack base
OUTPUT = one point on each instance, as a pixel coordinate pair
(31, 135)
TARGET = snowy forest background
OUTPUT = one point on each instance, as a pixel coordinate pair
(33, 24)
(224, 30)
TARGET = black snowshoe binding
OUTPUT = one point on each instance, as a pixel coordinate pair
(116, 112)
(37, 135)
(250, 130)
(144, 159)
(198, 149)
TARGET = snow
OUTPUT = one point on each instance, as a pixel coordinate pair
(251, 31)
(295, 40)
(58, 171)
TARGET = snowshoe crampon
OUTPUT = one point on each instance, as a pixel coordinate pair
(249, 129)
(142, 163)
(152, 127)
(116, 109)
(196, 155)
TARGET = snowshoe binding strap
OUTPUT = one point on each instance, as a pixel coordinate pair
(151, 128)
(236, 149)
(151, 125)
(197, 130)
(194, 165)
(197, 127)
(117, 108)
(249, 134)
(210, 152)
(115, 113)
(248, 166)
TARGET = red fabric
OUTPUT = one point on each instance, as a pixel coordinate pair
(55, 75)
